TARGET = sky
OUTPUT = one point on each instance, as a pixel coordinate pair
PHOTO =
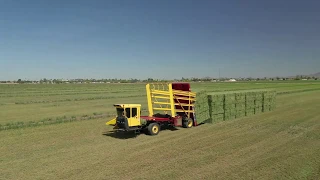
(158, 38)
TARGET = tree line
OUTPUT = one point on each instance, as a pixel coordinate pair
(183, 79)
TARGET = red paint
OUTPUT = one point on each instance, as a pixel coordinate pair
(155, 118)
(160, 119)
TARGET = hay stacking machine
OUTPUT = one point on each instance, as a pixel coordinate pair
(169, 104)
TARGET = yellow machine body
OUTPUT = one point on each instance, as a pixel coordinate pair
(167, 105)
(130, 111)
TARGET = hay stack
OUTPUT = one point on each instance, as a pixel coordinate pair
(202, 107)
(222, 106)
(269, 98)
(258, 102)
(249, 104)
(230, 106)
(216, 104)
(240, 104)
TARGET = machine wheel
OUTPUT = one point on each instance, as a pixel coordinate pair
(153, 129)
(187, 123)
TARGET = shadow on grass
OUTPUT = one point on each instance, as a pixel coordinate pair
(121, 135)
(133, 134)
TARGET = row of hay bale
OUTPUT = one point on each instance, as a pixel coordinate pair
(221, 106)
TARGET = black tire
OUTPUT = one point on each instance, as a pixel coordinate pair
(187, 123)
(153, 129)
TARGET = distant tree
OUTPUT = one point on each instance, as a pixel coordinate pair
(19, 81)
(44, 80)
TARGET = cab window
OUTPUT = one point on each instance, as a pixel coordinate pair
(134, 112)
(128, 113)
(131, 112)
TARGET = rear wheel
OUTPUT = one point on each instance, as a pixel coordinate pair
(153, 129)
(187, 123)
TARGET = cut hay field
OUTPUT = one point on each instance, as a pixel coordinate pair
(61, 102)
(281, 144)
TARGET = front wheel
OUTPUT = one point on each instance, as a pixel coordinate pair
(153, 129)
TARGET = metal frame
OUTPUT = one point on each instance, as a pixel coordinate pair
(173, 99)
(162, 94)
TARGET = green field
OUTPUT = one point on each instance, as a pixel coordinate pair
(280, 144)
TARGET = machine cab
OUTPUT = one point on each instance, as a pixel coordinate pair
(131, 112)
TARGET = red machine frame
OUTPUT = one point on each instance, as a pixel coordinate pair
(178, 99)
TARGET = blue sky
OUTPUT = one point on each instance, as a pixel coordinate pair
(144, 38)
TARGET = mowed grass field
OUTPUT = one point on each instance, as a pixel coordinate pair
(25, 103)
(282, 144)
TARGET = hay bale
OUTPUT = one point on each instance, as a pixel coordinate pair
(240, 109)
(273, 100)
(216, 103)
(240, 106)
(258, 104)
(249, 105)
(269, 100)
(230, 114)
(266, 108)
(218, 117)
(249, 112)
(201, 106)
(258, 96)
(240, 97)
(230, 98)
(217, 97)
(257, 110)
(217, 109)
(230, 105)
(229, 117)
(240, 113)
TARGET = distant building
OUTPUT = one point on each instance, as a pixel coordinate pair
(232, 80)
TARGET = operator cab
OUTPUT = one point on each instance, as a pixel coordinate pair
(128, 115)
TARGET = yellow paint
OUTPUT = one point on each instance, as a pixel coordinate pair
(173, 113)
(190, 124)
(149, 99)
(134, 121)
(126, 105)
(161, 97)
(112, 122)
